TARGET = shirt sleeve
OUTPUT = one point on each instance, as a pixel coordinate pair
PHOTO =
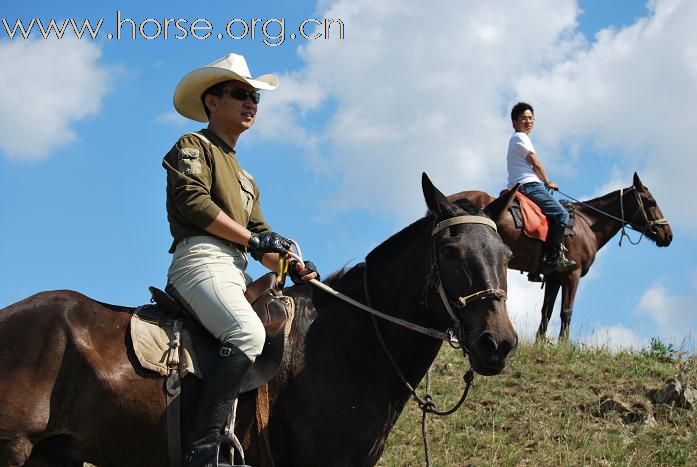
(523, 144)
(189, 179)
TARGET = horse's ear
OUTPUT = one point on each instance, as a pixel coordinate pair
(435, 200)
(637, 182)
(498, 207)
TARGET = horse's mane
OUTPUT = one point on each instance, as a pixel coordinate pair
(604, 197)
(469, 207)
(400, 240)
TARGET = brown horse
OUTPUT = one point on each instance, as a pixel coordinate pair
(72, 390)
(597, 221)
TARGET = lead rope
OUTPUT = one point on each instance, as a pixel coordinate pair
(426, 403)
(624, 232)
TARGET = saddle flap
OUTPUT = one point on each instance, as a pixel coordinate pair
(278, 311)
(259, 286)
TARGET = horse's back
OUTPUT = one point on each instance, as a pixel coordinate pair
(37, 331)
(68, 373)
(480, 198)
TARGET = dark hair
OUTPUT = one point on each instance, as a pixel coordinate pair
(519, 108)
(215, 90)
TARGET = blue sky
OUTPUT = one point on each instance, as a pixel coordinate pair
(338, 149)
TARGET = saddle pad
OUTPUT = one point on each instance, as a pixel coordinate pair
(534, 220)
(152, 345)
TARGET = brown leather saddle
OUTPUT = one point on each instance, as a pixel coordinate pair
(273, 308)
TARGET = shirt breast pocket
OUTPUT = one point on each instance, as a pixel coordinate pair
(247, 194)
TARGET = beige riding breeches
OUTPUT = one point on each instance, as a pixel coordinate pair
(208, 273)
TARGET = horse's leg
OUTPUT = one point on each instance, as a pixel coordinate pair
(15, 452)
(551, 291)
(568, 294)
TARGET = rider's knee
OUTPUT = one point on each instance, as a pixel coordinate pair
(562, 217)
(249, 339)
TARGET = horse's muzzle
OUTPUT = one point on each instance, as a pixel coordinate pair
(489, 352)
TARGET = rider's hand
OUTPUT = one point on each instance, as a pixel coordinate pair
(552, 186)
(268, 242)
(298, 275)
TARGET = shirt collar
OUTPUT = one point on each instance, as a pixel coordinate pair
(218, 142)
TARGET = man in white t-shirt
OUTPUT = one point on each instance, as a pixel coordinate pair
(524, 167)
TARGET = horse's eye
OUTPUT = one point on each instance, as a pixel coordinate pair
(451, 251)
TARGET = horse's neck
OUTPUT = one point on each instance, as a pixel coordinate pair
(397, 276)
(604, 227)
(397, 285)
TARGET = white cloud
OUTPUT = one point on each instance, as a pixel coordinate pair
(416, 88)
(675, 316)
(172, 118)
(524, 304)
(627, 95)
(281, 115)
(45, 87)
(615, 338)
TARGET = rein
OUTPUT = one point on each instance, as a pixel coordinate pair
(451, 336)
(626, 224)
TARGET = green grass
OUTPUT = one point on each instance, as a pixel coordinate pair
(544, 410)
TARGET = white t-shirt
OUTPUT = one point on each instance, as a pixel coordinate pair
(519, 169)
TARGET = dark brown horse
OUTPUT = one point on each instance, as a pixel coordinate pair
(72, 391)
(597, 221)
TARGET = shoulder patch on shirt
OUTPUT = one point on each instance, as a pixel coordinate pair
(188, 159)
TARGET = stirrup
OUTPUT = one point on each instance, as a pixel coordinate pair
(208, 455)
(564, 264)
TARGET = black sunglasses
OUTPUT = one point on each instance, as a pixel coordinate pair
(242, 95)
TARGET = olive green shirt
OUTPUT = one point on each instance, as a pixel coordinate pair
(203, 178)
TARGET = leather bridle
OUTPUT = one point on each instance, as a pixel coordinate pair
(461, 302)
(452, 336)
(648, 223)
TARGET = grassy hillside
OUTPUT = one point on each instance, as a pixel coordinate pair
(555, 405)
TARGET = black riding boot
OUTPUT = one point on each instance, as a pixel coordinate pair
(220, 389)
(556, 258)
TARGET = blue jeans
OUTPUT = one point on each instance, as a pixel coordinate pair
(554, 211)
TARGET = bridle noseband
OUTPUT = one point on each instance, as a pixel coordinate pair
(461, 302)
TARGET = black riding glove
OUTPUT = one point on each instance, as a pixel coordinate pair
(295, 274)
(268, 242)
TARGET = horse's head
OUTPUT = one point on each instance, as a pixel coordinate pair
(471, 261)
(648, 217)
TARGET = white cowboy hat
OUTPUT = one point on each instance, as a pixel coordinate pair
(187, 95)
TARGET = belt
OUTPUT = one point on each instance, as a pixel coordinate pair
(211, 239)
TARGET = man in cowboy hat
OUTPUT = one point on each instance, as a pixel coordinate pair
(215, 218)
